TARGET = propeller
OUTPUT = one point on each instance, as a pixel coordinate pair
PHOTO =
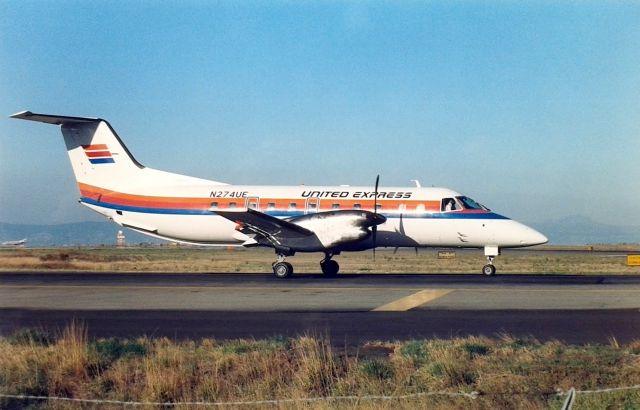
(374, 228)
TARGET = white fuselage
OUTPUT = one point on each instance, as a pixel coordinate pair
(415, 217)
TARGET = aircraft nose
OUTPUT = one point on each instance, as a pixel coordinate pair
(532, 237)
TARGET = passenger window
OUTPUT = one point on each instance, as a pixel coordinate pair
(271, 205)
(378, 207)
(214, 204)
(335, 206)
(357, 206)
(292, 205)
(232, 204)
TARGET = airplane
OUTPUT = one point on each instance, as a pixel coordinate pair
(21, 242)
(289, 219)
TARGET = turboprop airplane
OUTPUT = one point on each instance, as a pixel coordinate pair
(289, 219)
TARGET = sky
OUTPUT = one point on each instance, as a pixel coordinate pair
(532, 108)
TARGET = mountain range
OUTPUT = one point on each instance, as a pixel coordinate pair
(574, 230)
(71, 234)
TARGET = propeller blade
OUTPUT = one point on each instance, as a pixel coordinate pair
(375, 197)
(374, 228)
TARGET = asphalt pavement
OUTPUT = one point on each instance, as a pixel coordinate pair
(349, 309)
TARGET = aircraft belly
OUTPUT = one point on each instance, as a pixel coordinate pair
(189, 228)
(197, 228)
(433, 232)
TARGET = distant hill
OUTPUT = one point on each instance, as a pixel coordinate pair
(580, 230)
(574, 230)
(70, 234)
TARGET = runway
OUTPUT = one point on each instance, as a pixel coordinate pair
(349, 309)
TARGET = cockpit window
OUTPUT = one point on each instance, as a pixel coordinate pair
(469, 203)
(450, 204)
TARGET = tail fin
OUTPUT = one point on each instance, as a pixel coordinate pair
(100, 159)
(98, 156)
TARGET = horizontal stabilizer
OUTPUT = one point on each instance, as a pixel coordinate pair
(52, 119)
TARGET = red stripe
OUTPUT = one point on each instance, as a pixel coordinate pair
(97, 154)
(94, 147)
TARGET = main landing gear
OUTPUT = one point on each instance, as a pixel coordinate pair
(283, 270)
(329, 267)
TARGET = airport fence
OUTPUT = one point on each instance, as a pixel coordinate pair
(567, 405)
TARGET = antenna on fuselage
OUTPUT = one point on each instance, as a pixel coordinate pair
(416, 182)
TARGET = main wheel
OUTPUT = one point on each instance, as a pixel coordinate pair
(488, 270)
(330, 267)
(282, 270)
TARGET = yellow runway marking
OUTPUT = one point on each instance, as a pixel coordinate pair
(414, 300)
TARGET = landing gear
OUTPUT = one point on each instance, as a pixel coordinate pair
(490, 252)
(489, 269)
(329, 267)
(282, 269)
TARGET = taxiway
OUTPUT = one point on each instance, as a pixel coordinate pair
(349, 309)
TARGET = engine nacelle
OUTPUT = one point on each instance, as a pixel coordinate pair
(334, 228)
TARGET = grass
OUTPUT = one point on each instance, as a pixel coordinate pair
(507, 373)
(184, 259)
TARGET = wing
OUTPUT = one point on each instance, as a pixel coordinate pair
(276, 231)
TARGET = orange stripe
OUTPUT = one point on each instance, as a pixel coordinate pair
(94, 154)
(95, 147)
(101, 194)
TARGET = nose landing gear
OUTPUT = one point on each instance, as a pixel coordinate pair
(490, 252)
(489, 269)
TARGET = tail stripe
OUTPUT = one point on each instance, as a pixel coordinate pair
(97, 154)
(95, 147)
(102, 160)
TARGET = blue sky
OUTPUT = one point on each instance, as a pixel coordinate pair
(532, 108)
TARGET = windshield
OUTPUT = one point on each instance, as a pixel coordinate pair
(469, 203)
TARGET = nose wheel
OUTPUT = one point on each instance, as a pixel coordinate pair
(489, 269)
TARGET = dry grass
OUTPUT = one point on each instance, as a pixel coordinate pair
(175, 259)
(508, 373)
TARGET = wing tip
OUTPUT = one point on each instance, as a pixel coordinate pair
(22, 115)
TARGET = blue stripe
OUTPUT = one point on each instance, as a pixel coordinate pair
(164, 211)
(101, 160)
(286, 214)
(454, 215)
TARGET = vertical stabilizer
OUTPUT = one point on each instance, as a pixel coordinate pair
(98, 156)
(100, 159)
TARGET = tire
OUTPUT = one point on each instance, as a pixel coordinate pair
(488, 270)
(330, 268)
(282, 270)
